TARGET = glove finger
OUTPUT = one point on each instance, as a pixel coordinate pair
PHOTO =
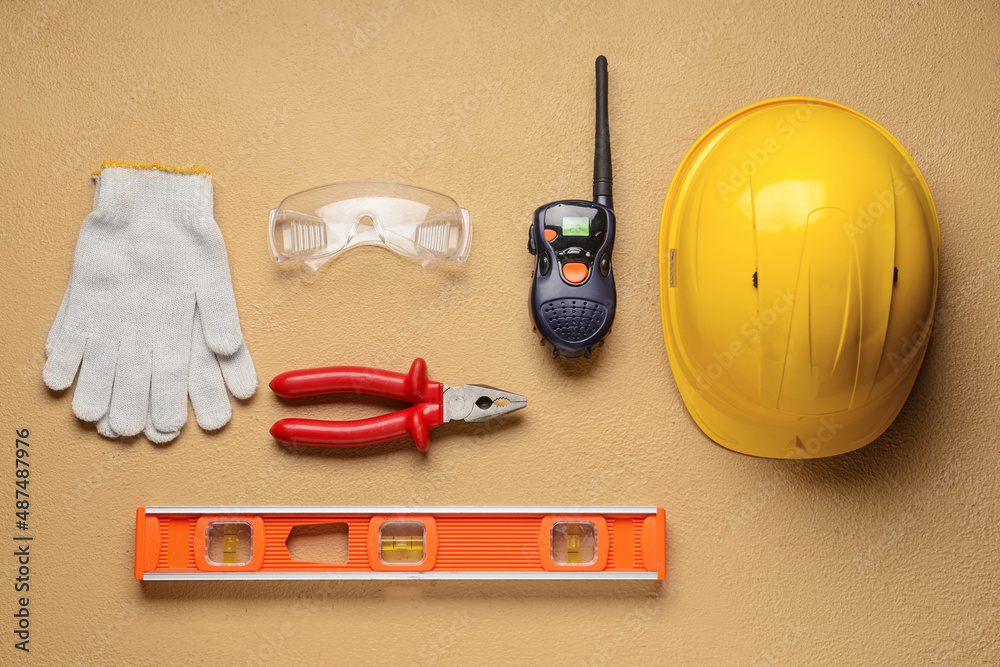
(170, 357)
(169, 388)
(57, 325)
(64, 359)
(104, 426)
(205, 384)
(92, 397)
(214, 286)
(157, 436)
(168, 400)
(239, 373)
(62, 315)
(154, 436)
(130, 397)
(220, 320)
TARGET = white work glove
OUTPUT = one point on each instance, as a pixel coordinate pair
(207, 382)
(147, 255)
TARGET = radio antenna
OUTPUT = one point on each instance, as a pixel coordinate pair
(602, 138)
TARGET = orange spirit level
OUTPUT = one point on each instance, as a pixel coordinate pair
(185, 543)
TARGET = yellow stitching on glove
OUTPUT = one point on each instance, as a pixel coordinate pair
(152, 165)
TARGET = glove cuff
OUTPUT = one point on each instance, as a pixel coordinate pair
(154, 191)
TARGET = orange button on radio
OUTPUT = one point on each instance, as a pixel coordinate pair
(575, 272)
(550, 235)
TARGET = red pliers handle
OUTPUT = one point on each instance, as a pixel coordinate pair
(416, 421)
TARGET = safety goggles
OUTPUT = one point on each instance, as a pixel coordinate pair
(316, 225)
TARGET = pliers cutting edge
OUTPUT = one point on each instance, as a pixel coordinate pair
(434, 403)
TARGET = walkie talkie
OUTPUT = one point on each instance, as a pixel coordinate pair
(573, 287)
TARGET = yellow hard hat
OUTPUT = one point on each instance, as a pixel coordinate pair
(799, 259)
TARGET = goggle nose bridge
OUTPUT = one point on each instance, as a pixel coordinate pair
(357, 224)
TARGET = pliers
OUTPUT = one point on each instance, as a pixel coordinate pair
(433, 404)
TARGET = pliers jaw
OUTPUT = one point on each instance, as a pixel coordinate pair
(479, 403)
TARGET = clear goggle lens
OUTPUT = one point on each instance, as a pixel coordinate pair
(316, 225)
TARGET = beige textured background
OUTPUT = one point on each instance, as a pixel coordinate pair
(889, 554)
